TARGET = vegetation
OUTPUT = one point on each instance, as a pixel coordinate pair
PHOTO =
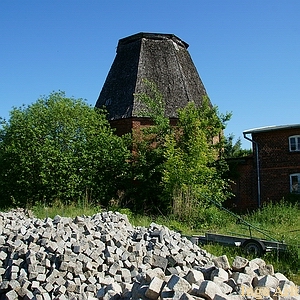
(59, 148)
(72, 210)
(193, 167)
(60, 156)
(234, 150)
(178, 169)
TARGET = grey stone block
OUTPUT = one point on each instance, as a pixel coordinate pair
(220, 274)
(225, 288)
(268, 281)
(3, 255)
(160, 262)
(22, 291)
(186, 296)
(11, 295)
(35, 284)
(28, 296)
(61, 297)
(41, 277)
(222, 262)
(241, 278)
(208, 289)
(155, 287)
(152, 273)
(70, 286)
(113, 269)
(46, 296)
(194, 276)
(48, 287)
(239, 263)
(221, 297)
(177, 283)
(60, 290)
(266, 270)
(126, 275)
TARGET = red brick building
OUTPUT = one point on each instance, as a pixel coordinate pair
(273, 171)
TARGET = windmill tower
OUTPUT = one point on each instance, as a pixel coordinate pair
(160, 58)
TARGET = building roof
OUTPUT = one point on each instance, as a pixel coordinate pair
(153, 36)
(162, 59)
(271, 128)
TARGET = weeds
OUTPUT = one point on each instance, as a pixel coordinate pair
(42, 210)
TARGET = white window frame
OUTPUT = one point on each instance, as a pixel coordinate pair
(295, 184)
(296, 142)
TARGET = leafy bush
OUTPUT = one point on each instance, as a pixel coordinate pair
(179, 169)
(59, 148)
(192, 169)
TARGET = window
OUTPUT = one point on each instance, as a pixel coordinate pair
(295, 183)
(294, 142)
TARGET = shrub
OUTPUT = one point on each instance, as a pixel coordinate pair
(59, 148)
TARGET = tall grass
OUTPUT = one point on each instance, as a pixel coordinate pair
(72, 210)
(281, 219)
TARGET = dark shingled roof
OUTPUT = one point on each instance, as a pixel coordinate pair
(160, 58)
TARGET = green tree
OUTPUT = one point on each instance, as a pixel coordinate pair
(179, 168)
(193, 172)
(59, 148)
(234, 150)
(144, 188)
(232, 153)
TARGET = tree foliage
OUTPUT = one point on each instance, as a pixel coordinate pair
(144, 186)
(193, 167)
(59, 148)
(184, 160)
(234, 150)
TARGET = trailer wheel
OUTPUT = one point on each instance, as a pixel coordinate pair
(254, 247)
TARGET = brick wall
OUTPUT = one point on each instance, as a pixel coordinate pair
(243, 184)
(276, 162)
(123, 126)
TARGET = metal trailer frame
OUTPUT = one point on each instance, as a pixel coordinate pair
(255, 246)
(250, 244)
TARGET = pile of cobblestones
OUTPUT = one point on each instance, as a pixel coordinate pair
(104, 257)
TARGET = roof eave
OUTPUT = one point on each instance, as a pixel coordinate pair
(271, 128)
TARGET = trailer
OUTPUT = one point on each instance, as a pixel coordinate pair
(251, 245)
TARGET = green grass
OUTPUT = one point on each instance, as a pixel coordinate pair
(280, 220)
(42, 211)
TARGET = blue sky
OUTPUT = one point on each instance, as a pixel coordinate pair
(247, 53)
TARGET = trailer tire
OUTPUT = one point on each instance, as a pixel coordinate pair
(254, 247)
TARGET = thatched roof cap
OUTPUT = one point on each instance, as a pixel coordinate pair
(160, 58)
(153, 36)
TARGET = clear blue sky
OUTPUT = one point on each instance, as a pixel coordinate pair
(247, 53)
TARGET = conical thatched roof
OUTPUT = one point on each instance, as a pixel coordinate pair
(160, 58)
